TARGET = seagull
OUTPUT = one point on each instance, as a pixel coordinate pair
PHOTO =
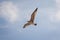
(31, 21)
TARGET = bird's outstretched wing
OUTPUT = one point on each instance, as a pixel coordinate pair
(33, 15)
(26, 25)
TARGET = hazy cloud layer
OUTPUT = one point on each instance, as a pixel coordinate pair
(9, 11)
(56, 16)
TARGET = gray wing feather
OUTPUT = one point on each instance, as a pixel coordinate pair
(33, 15)
(26, 25)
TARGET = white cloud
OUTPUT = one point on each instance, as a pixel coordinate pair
(56, 17)
(9, 11)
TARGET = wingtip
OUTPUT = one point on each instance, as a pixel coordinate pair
(36, 8)
(23, 27)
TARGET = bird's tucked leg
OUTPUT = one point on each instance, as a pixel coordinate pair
(35, 24)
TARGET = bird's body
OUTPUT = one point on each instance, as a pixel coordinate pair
(31, 21)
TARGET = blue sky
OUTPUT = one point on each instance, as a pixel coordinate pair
(15, 13)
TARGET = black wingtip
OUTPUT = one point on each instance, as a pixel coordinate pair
(36, 8)
(23, 27)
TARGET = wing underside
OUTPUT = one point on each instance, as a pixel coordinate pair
(33, 15)
(26, 25)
